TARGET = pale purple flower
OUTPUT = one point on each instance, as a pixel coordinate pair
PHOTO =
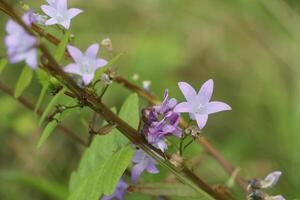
(277, 197)
(59, 13)
(21, 45)
(271, 179)
(119, 192)
(161, 121)
(86, 63)
(198, 105)
(142, 162)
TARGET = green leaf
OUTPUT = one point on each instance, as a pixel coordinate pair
(102, 165)
(51, 104)
(49, 188)
(130, 114)
(23, 82)
(115, 168)
(61, 48)
(3, 63)
(103, 177)
(46, 132)
(42, 96)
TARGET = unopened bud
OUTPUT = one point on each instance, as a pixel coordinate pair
(107, 44)
(135, 77)
(146, 85)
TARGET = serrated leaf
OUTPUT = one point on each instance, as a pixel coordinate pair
(23, 82)
(51, 104)
(61, 48)
(3, 63)
(46, 132)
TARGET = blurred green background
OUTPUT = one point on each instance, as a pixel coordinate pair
(251, 48)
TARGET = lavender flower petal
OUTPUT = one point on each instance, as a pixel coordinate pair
(217, 106)
(201, 120)
(187, 90)
(206, 91)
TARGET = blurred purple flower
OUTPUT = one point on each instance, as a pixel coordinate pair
(271, 179)
(277, 197)
(142, 162)
(197, 104)
(59, 13)
(85, 64)
(119, 191)
(21, 45)
(161, 121)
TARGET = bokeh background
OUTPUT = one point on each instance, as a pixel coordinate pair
(251, 48)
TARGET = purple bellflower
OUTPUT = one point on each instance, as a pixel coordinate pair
(198, 105)
(86, 63)
(21, 45)
(59, 13)
(161, 121)
(119, 191)
(271, 179)
(142, 162)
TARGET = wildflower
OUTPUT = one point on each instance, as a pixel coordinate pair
(85, 64)
(142, 162)
(198, 105)
(21, 45)
(255, 186)
(59, 13)
(161, 121)
(271, 179)
(119, 191)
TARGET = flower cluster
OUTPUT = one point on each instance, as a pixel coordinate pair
(255, 186)
(161, 121)
(21, 45)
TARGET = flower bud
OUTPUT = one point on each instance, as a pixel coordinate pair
(107, 44)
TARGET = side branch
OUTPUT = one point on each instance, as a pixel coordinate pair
(26, 103)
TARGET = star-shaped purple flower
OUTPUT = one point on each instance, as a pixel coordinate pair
(119, 191)
(59, 13)
(86, 63)
(142, 162)
(198, 105)
(21, 45)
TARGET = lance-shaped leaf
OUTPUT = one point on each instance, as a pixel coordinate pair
(3, 63)
(51, 104)
(23, 81)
